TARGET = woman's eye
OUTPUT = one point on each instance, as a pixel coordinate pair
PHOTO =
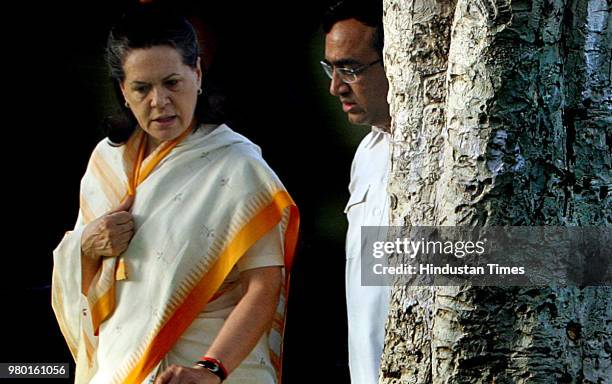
(172, 83)
(140, 90)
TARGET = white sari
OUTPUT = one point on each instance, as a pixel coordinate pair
(200, 209)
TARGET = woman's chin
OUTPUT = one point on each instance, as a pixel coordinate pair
(165, 133)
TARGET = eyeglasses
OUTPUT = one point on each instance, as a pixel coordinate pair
(347, 75)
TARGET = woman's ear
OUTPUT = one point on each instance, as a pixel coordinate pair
(199, 74)
(122, 88)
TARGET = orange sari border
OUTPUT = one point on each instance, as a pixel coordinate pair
(204, 290)
(103, 307)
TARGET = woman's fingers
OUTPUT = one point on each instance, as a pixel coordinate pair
(122, 228)
(123, 240)
(125, 205)
(119, 217)
(107, 237)
(176, 374)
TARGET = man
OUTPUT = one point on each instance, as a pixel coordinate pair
(353, 61)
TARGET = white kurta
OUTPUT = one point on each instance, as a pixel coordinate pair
(367, 306)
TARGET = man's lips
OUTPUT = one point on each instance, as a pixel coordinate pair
(346, 106)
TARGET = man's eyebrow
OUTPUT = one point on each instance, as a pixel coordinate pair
(343, 62)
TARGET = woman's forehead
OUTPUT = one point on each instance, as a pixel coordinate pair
(153, 62)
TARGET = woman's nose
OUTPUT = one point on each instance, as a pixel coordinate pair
(159, 97)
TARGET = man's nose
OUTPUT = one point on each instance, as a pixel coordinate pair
(337, 87)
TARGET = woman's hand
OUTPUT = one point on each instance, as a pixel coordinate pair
(109, 235)
(176, 374)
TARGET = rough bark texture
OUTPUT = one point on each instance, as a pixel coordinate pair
(502, 115)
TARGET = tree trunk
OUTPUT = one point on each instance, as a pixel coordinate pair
(502, 115)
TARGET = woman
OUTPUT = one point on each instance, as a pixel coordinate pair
(174, 269)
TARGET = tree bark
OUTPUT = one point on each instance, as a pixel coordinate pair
(502, 115)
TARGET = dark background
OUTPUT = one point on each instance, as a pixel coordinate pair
(56, 94)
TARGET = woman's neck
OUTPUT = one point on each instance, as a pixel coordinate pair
(152, 144)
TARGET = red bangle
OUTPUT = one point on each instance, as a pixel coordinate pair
(215, 366)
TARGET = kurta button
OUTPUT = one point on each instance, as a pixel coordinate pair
(84, 312)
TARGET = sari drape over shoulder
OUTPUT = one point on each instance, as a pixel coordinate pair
(198, 211)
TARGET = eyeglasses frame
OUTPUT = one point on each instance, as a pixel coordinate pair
(343, 72)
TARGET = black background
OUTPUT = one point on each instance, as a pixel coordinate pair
(57, 92)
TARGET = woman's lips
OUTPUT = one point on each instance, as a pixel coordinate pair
(164, 121)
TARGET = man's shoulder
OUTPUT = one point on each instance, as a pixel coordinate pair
(373, 145)
(371, 157)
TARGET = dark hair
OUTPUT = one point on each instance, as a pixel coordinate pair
(146, 27)
(368, 12)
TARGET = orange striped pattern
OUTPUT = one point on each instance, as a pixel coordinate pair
(146, 166)
(88, 214)
(278, 323)
(110, 182)
(266, 206)
(72, 343)
(161, 343)
(102, 294)
(89, 348)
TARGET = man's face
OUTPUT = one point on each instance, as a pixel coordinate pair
(349, 44)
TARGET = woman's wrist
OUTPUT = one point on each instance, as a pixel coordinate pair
(208, 375)
(87, 251)
(214, 366)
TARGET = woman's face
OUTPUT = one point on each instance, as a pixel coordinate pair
(161, 91)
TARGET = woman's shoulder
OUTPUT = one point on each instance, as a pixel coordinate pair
(235, 145)
(242, 154)
(105, 147)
